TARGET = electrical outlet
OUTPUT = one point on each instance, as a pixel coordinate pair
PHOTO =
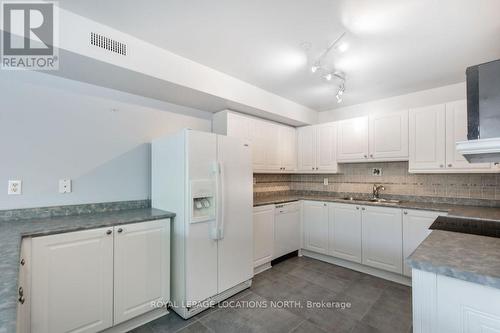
(65, 186)
(325, 181)
(377, 172)
(15, 187)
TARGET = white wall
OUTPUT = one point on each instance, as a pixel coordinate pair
(52, 128)
(421, 98)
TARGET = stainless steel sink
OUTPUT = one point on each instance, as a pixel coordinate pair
(380, 200)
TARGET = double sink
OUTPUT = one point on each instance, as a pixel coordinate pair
(372, 200)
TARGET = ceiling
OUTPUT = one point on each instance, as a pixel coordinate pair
(395, 46)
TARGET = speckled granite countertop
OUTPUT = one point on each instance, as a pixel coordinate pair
(475, 212)
(467, 257)
(11, 233)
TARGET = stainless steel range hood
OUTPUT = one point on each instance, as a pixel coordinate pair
(483, 114)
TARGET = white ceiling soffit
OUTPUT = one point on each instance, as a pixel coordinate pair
(396, 47)
(154, 72)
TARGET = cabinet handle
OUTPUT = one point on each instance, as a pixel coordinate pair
(23, 262)
(313, 168)
(371, 155)
(120, 230)
(441, 166)
(21, 298)
(405, 212)
(363, 208)
(449, 165)
(317, 168)
(324, 204)
(357, 208)
(365, 156)
(108, 232)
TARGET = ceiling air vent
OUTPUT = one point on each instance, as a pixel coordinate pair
(108, 43)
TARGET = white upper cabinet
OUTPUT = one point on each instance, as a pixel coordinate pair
(273, 145)
(288, 148)
(456, 130)
(427, 138)
(306, 148)
(326, 137)
(317, 148)
(434, 131)
(352, 140)
(389, 136)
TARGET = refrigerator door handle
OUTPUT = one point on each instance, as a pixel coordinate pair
(215, 229)
(220, 223)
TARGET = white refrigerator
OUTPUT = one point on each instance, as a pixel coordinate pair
(206, 179)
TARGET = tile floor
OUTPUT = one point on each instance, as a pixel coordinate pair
(377, 305)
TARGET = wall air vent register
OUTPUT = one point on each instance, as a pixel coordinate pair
(108, 43)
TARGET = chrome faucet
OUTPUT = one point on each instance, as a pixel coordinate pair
(376, 190)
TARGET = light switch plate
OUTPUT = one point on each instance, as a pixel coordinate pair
(377, 172)
(15, 187)
(65, 186)
(325, 181)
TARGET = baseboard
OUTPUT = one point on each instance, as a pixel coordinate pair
(284, 257)
(137, 321)
(398, 278)
(262, 268)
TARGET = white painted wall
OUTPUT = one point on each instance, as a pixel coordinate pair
(52, 128)
(417, 99)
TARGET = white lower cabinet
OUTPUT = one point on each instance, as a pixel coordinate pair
(286, 229)
(263, 234)
(141, 271)
(72, 282)
(345, 231)
(79, 279)
(382, 238)
(315, 222)
(416, 225)
(443, 304)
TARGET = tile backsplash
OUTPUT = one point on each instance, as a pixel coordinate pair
(358, 178)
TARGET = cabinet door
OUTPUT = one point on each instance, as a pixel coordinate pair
(326, 142)
(288, 148)
(427, 138)
(416, 225)
(286, 229)
(315, 222)
(456, 130)
(263, 234)
(353, 140)
(345, 231)
(389, 136)
(381, 238)
(259, 145)
(306, 148)
(142, 255)
(273, 149)
(72, 282)
(238, 126)
(466, 307)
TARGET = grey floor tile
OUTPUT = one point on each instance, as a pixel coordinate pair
(172, 322)
(377, 305)
(364, 328)
(252, 319)
(195, 327)
(324, 280)
(307, 327)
